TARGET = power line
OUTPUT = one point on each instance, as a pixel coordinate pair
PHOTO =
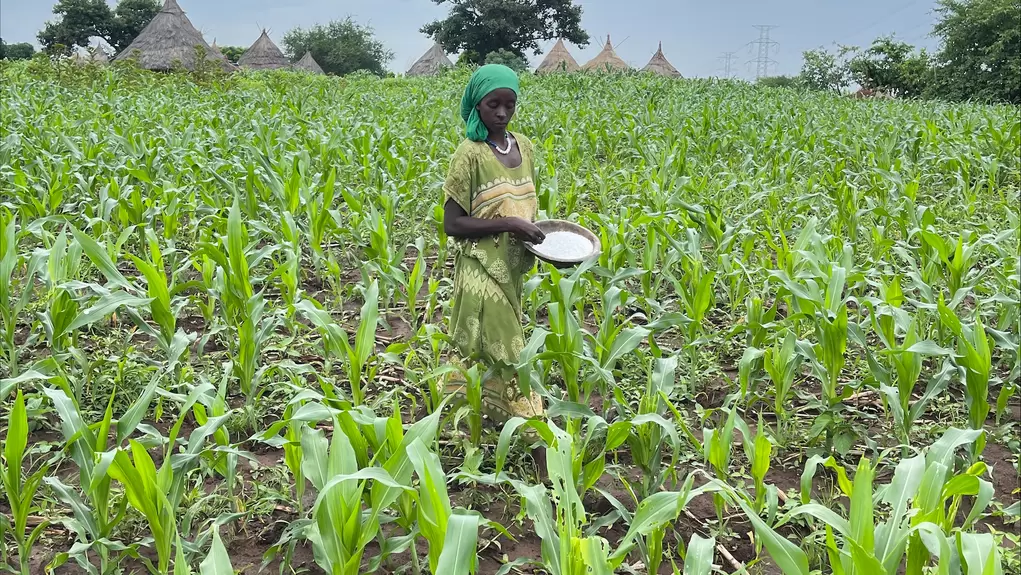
(728, 59)
(764, 44)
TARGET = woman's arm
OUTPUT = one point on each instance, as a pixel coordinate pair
(458, 224)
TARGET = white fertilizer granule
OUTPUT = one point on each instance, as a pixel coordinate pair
(564, 246)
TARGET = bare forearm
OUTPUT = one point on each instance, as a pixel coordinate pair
(467, 227)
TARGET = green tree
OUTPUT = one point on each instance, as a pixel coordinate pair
(129, 19)
(893, 68)
(513, 61)
(19, 51)
(980, 57)
(233, 53)
(80, 20)
(825, 70)
(77, 22)
(340, 47)
(517, 26)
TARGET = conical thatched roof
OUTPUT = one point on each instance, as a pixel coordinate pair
(606, 61)
(264, 55)
(558, 60)
(660, 65)
(308, 64)
(170, 37)
(431, 62)
(219, 53)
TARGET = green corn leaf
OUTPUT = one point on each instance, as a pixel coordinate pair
(104, 307)
(788, 557)
(101, 259)
(862, 512)
(139, 408)
(217, 562)
(699, 559)
(16, 440)
(459, 556)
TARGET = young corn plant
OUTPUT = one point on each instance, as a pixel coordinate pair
(341, 529)
(974, 357)
(452, 534)
(695, 290)
(21, 491)
(98, 513)
(358, 358)
(157, 493)
(11, 306)
(651, 435)
(923, 523)
(782, 363)
(901, 367)
(243, 309)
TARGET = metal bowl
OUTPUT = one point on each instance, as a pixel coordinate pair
(549, 226)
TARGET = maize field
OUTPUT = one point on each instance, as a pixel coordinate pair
(223, 308)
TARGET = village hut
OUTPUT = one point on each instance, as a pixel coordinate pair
(169, 39)
(219, 54)
(558, 60)
(660, 65)
(431, 62)
(264, 55)
(308, 64)
(606, 61)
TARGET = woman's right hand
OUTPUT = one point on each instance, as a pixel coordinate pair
(525, 230)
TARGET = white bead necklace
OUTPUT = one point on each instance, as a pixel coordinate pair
(499, 150)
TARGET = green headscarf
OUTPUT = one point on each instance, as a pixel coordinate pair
(486, 79)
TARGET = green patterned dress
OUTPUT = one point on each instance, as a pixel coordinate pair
(485, 322)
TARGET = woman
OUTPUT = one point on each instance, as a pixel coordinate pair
(489, 206)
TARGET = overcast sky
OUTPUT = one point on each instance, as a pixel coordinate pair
(694, 34)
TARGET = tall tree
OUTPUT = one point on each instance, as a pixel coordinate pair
(980, 57)
(233, 53)
(77, 22)
(80, 20)
(340, 47)
(130, 18)
(481, 27)
(825, 70)
(893, 68)
(19, 51)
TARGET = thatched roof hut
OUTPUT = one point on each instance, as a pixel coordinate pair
(606, 61)
(219, 54)
(264, 55)
(558, 60)
(308, 64)
(168, 39)
(660, 65)
(431, 62)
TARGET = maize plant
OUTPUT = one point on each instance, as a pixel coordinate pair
(213, 321)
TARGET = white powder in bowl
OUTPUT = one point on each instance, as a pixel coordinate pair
(564, 246)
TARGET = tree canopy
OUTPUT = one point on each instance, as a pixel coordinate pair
(340, 47)
(980, 57)
(19, 51)
(232, 53)
(894, 68)
(482, 27)
(80, 20)
(825, 70)
(513, 61)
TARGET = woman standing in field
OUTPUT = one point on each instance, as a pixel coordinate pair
(490, 203)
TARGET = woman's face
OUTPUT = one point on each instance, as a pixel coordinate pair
(497, 109)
